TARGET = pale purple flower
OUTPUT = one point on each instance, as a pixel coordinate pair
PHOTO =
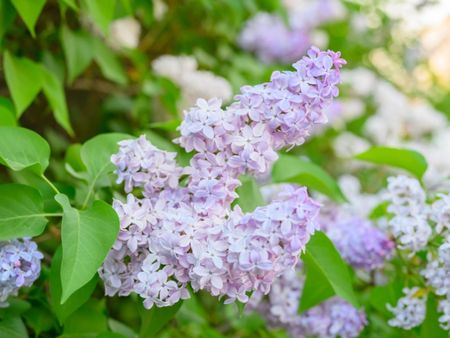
(20, 266)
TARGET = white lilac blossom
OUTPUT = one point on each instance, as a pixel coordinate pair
(124, 33)
(194, 83)
(440, 213)
(410, 310)
(20, 266)
(333, 318)
(444, 319)
(409, 225)
(175, 235)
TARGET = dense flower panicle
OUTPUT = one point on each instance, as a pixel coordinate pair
(410, 310)
(333, 318)
(178, 235)
(266, 117)
(444, 308)
(360, 243)
(409, 225)
(20, 266)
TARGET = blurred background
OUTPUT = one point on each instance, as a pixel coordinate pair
(133, 66)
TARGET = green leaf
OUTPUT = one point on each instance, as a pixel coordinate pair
(22, 148)
(7, 115)
(109, 65)
(326, 273)
(54, 91)
(96, 155)
(71, 3)
(382, 295)
(13, 327)
(21, 212)
(295, 170)
(39, 319)
(86, 236)
(88, 321)
(20, 71)
(249, 194)
(78, 51)
(121, 328)
(430, 327)
(409, 160)
(101, 12)
(76, 300)
(171, 125)
(29, 11)
(156, 318)
(7, 16)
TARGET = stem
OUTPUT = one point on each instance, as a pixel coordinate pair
(88, 195)
(55, 189)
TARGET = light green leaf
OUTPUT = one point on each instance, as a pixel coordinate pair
(22, 148)
(326, 273)
(430, 327)
(29, 11)
(121, 328)
(20, 71)
(170, 125)
(101, 12)
(71, 3)
(249, 194)
(76, 300)
(96, 155)
(409, 160)
(78, 51)
(54, 91)
(156, 318)
(295, 170)
(13, 327)
(21, 212)
(7, 114)
(86, 236)
(109, 64)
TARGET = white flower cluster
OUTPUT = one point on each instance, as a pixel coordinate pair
(410, 222)
(194, 83)
(410, 310)
(124, 33)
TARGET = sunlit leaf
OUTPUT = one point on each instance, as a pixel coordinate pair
(29, 11)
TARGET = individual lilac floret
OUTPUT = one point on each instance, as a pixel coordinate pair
(20, 266)
(410, 310)
(140, 164)
(334, 318)
(440, 213)
(271, 40)
(360, 243)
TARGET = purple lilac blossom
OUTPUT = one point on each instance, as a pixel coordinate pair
(360, 243)
(20, 266)
(332, 318)
(174, 235)
(272, 40)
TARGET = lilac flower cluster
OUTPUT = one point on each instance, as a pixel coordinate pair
(332, 318)
(360, 243)
(410, 310)
(410, 222)
(20, 266)
(179, 234)
(272, 40)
